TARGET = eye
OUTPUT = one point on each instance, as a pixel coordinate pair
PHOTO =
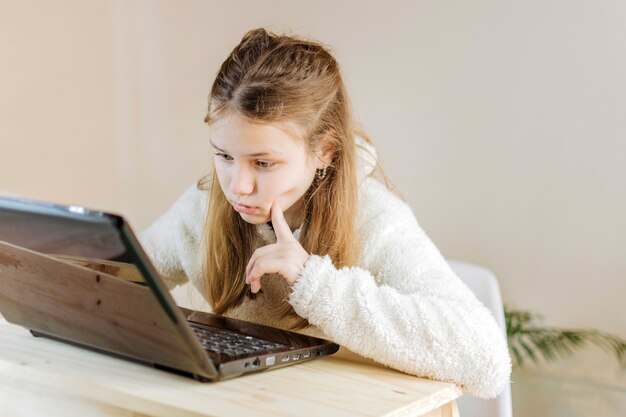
(224, 156)
(264, 164)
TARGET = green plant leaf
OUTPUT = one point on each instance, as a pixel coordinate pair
(525, 334)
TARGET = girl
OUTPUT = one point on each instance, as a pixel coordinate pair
(291, 230)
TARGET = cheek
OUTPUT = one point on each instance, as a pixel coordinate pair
(223, 177)
(293, 186)
(270, 187)
(290, 184)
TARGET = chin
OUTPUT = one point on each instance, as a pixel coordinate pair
(252, 219)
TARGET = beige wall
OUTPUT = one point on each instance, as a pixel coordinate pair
(502, 124)
(56, 101)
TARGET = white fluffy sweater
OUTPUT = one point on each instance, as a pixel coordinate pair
(401, 305)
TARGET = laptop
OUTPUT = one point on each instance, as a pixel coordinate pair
(80, 276)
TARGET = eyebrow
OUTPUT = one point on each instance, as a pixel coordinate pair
(271, 152)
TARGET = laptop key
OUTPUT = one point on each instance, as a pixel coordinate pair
(231, 344)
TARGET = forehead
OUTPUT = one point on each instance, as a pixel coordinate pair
(240, 136)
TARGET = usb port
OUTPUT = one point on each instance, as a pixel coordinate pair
(306, 355)
(284, 358)
(296, 356)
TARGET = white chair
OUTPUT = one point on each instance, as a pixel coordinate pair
(485, 286)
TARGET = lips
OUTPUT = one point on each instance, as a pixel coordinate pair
(242, 208)
(242, 205)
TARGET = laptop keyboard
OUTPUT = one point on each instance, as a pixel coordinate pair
(232, 344)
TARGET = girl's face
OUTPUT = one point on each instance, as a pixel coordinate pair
(257, 163)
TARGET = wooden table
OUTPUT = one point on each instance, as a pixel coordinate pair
(41, 377)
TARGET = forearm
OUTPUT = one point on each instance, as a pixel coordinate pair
(419, 333)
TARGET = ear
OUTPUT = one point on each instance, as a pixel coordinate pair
(325, 152)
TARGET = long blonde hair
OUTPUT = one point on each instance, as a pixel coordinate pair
(275, 79)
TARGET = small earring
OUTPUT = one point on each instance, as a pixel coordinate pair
(321, 173)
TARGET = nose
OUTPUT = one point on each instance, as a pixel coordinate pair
(242, 182)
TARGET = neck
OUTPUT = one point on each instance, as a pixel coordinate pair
(295, 215)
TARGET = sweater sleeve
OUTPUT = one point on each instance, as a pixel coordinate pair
(404, 306)
(172, 241)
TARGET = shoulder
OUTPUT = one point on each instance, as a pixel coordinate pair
(380, 207)
(194, 197)
(388, 231)
(191, 204)
(185, 215)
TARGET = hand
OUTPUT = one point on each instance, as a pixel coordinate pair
(285, 257)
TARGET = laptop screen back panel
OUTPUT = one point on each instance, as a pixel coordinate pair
(91, 308)
(78, 232)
